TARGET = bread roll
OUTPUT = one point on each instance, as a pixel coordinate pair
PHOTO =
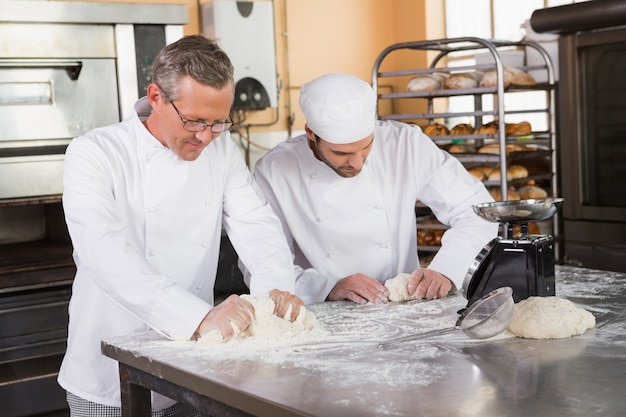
(425, 82)
(497, 194)
(486, 169)
(517, 171)
(513, 172)
(490, 128)
(436, 129)
(462, 129)
(518, 129)
(531, 192)
(462, 148)
(494, 148)
(460, 81)
(512, 75)
(478, 173)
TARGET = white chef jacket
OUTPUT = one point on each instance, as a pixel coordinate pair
(340, 226)
(146, 229)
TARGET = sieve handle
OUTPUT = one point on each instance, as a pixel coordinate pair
(418, 336)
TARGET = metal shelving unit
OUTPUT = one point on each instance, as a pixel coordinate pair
(543, 142)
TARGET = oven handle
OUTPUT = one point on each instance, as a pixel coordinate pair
(72, 68)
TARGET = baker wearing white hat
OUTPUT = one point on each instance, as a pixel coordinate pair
(345, 192)
(340, 111)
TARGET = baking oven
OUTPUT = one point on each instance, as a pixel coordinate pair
(68, 68)
(592, 129)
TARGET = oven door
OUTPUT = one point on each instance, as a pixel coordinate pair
(53, 99)
(44, 103)
(593, 126)
(592, 148)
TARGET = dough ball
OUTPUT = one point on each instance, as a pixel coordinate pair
(397, 287)
(550, 318)
(266, 323)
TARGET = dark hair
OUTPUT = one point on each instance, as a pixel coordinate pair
(194, 56)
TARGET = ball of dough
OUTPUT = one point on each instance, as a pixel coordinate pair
(265, 322)
(398, 287)
(550, 318)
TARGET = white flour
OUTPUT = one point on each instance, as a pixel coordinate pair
(348, 334)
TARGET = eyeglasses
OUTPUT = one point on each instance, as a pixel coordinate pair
(197, 126)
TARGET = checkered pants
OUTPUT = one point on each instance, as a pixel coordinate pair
(80, 407)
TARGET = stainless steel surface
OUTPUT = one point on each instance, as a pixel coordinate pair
(92, 12)
(451, 376)
(489, 316)
(518, 211)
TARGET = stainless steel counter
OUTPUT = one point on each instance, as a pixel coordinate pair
(339, 370)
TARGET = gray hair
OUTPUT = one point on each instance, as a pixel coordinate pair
(194, 56)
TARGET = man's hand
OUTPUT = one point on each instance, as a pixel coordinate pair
(283, 300)
(429, 284)
(230, 317)
(360, 289)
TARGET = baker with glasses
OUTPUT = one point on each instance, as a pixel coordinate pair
(146, 201)
(198, 126)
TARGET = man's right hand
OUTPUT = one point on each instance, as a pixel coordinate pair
(232, 314)
(360, 289)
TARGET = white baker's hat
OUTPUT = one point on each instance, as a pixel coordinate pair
(339, 108)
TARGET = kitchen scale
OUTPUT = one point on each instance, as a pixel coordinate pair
(524, 262)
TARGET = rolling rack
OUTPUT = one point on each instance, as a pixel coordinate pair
(390, 88)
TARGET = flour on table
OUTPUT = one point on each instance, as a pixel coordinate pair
(265, 322)
(398, 287)
(550, 318)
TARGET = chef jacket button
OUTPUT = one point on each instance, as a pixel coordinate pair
(146, 159)
(207, 202)
(384, 245)
(378, 206)
(313, 176)
(151, 210)
(149, 252)
(319, 219)
(203, 244)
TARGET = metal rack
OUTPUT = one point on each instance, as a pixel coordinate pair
(441, 49)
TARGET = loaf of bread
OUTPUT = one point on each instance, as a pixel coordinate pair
(532, 192)
(512, 75)
(494, 148)
(486, 169)
(426, 82)
(436, 129)
(490, 128)
(462, 148)
(513, 172)
(512, 194)
(518, 129)
(460, 81)
(478, 173)
(462, 129)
